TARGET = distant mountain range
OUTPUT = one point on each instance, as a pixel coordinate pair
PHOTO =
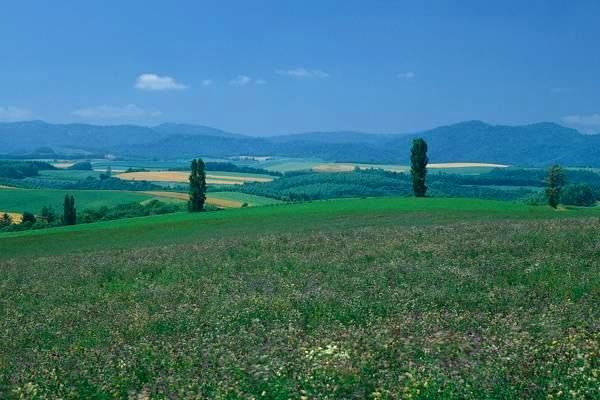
(474, 141)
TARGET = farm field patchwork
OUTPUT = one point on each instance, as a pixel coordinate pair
(220, 199)
(353, 308)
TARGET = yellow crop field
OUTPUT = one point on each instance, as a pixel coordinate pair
(16, 217)
(209, 199)
(181, 176)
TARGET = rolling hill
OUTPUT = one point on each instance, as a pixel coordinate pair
(538, 144)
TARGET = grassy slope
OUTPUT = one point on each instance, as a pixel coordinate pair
(486, 310)
(323, 216)
(33, 200)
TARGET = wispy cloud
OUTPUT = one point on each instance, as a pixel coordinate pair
(587, 123)
(407, 75)
(587, 120)
(243, 80)
(207, 82)
(115, 112)
(11, 114)
(155, 82)
(303, 73)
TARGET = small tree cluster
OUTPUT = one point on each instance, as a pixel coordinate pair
(5, 221)
(197, 189)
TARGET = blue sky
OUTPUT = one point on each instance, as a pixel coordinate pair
(269, 67)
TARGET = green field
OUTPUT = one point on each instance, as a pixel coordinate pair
(66, 174)
(376, 298)
(32, 200)
(302, 217)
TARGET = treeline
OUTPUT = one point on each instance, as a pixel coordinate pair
(365, 183)
(22, 169)
(91, 183)
(48, 218)
(231, 167)
(511, 185)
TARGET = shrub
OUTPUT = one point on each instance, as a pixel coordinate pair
(578, 195)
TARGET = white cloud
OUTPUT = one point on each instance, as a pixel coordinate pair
(592, 120)
(407, 75)
(241, 80)
(207, 82)
(155, 82)
(115, 112)
(303, 73)
(10, 114)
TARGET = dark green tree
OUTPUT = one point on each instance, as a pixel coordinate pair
(48, 214)
(108, 171)
(197, 186)
(555, 181)
(6, 220)
(69, 211)
(418, 166)
(28, 218)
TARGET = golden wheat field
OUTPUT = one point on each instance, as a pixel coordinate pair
(209, 199)
(16, 217)
(181, 176)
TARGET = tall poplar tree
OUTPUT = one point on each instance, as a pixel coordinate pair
(69, 211)
(197, 186)
(418, 166)
(555, 181)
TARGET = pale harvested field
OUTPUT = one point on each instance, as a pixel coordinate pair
(6, 187)
(465, 165)
(333, 168)
(16, 217)
(181, 176)
(209, 199)
(62, 165)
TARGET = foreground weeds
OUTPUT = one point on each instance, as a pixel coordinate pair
(478, 311)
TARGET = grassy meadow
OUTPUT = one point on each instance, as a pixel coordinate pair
(318, 216)
(375, 298)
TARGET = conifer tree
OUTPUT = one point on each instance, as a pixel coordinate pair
(418, 169)
(555, 181)
(197, 189)
(70, 212)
